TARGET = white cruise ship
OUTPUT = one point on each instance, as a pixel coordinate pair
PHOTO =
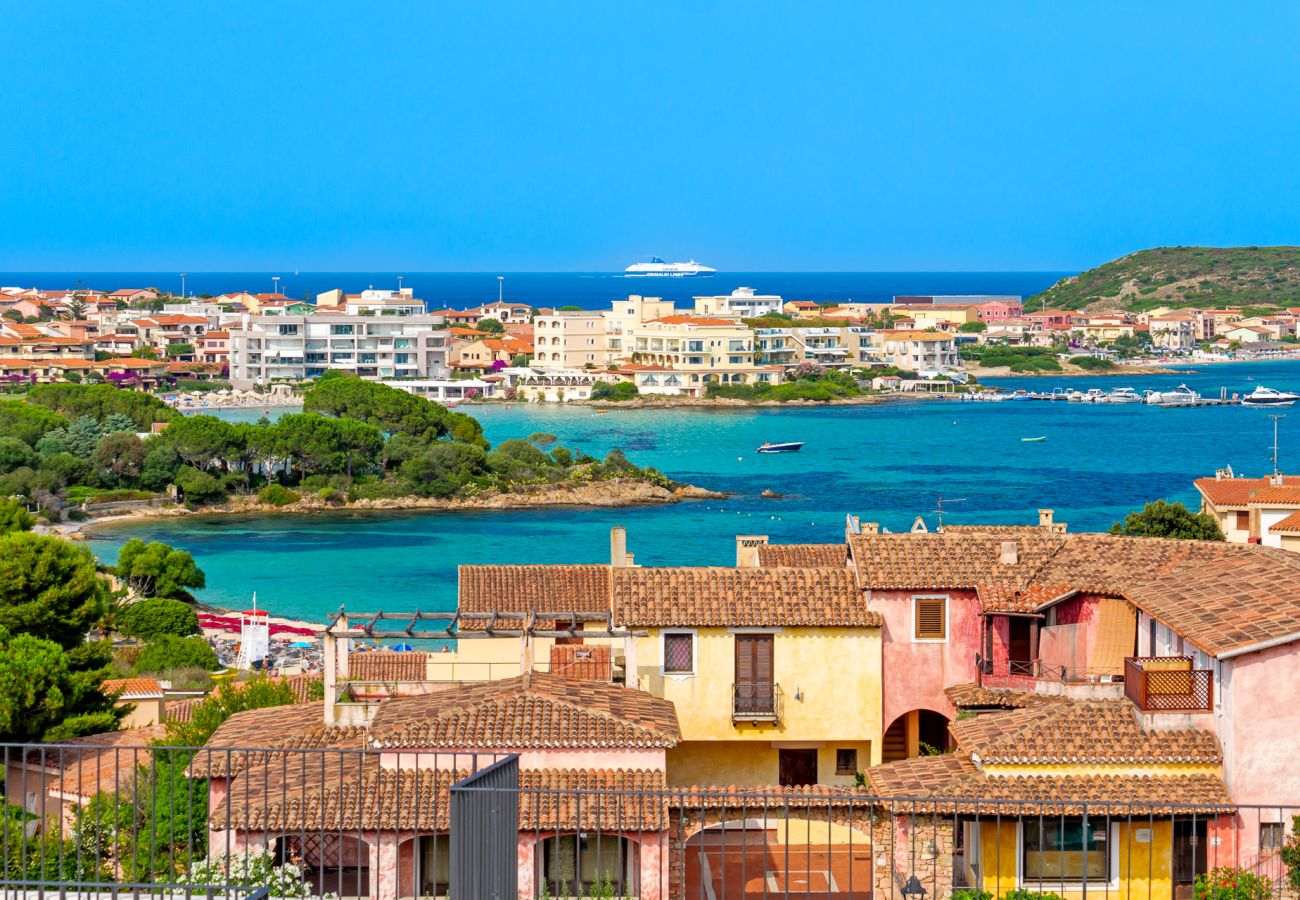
(658, 268)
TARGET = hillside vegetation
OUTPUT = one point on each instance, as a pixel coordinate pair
(1253, 278)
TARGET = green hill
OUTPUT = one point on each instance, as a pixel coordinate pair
(1237, 277)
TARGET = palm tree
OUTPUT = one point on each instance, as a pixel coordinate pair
(73, 308)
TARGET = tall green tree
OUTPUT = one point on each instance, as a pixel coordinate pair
(120, 455)
(14, 516)
(1162, 519)
(45, 695)
(49, 588)
(202, 441)
(156, 569)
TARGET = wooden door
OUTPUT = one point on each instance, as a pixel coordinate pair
(754, 685)
(797, 767)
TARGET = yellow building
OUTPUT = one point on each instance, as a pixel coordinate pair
(947, 316)
(1049, 805)
(698, 350)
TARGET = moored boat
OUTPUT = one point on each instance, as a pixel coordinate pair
(1123, 395)
(1034, 440)
(780, 447)
(1179, 396)
(1264, 396)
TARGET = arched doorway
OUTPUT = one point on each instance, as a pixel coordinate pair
(918, 732)
(808, 856)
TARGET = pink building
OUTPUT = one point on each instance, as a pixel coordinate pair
(996, 312)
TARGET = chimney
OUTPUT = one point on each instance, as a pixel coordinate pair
(1010, 553)
(747, 549)
(618, 547)
(871, 528)
(1275, 480)
(1045, 519)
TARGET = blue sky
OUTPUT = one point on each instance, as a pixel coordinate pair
(510, 136)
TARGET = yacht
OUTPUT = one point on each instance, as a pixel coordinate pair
(658, 268)
(1123, 395)
(1179, 396)
(1263, 396)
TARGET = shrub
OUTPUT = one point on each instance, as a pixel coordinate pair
(153, 618)
(1027, 894)
(198, 487)
(1092, 363)
(971, 894)
(278, 495)
(172, 652)
(623, 390)
(257, 870)
(1231, 883)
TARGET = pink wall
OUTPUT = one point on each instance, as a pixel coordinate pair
(915, 674)
(1259, 731)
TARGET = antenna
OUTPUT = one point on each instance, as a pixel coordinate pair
(1275, 417)
(939, 506)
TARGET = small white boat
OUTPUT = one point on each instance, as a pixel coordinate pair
(1264, 396)
(1179, 396)
(1123, 395)
(1033, 440)
(787, 447)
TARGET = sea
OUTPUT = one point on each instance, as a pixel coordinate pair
(888, 463)
(588, 290)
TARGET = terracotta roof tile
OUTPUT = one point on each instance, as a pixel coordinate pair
(562, 588)
(1282, 494)
(753, 597)
(592, 662)
(132, 688)
(1236, 491)
(298, 726)
(1289, 525)
(528, 711)
(972, 696)
(921, 776)
(803, 556)
(100, 762)
(388, 665)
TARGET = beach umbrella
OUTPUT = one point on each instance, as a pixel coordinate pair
(402, 648)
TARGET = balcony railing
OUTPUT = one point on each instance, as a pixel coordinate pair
(758, 702)
(1168, 684)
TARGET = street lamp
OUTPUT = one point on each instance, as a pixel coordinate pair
(913, 890)
(182, 285)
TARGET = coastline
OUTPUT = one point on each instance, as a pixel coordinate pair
(613, 493)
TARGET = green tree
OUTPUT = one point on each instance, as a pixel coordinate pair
(972, 327)
(444, 468)
(28, 422)
(198, 487)
(43, 695)
(63, 469)
(156, 569)
(49, 588)
(14, 454)
(221, 704)
(1169, 520)
(202, 441)
(386, 408)
(160, 465)
(170, 651)
(180, 350)
(117, 421)
(81, 437)
(144, 353)
(100, 400)
(14, 516)
(120, 455)
(491, 325)
(157, 616)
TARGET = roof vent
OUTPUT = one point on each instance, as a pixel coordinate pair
(1009, 554)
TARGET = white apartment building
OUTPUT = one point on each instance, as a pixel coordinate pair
(570, 339)
(1173, 332)
(914, 350)
(742, 302)
(291, 348)
(623, 317)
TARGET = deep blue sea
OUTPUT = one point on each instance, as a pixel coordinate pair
(886, 463)
(589, 290)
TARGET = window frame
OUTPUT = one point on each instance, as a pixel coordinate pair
(946, 623)
(840, 769)
(663, 653)
(1109, 883)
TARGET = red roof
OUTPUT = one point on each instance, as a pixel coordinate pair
(694, 320)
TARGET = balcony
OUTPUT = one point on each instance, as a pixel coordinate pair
(1168, 684)
(756, 703)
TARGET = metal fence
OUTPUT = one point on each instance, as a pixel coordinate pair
(107, 820)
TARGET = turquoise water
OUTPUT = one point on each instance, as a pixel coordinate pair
(887, 463)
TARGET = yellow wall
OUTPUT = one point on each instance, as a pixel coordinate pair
(829, 677)
(1145, 870)
(708, 763)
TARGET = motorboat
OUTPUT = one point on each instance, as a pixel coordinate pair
(1033, 440)
(786, 447)
(1264, 396)
(1179, 396)
(1122, 395)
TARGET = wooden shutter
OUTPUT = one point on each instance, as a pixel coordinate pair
(931, 619)
(763, 658)
(745, 658)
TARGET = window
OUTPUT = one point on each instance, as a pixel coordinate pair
(1271, 837)
(846, 761)
(1243, 521)
(1059, 849)
(679, 653)
(930, 618)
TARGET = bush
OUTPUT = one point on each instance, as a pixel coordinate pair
(278, 495)
(1231, 883)
(971, 894)
(1092, 363)
(623, 390)
(197, 487)
(153, 618)
(172, 652)
(1027, 894)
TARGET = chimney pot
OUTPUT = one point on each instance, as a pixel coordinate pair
(618, 547)
(871, 528)
(1045, 518)
(1010, 553)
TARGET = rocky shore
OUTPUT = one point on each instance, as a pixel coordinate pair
(663, 402)
(616, 492)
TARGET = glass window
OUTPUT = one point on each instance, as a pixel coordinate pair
(846, 761)
(1271, 837)
(1061, 849)
(679, 653)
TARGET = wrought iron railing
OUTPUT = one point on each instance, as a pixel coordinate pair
(1168, 684)
(756, 702)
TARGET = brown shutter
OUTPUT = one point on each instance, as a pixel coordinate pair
(745, 659)
(763, 658)
(930, 624)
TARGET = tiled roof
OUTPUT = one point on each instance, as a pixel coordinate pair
(354, 793)
(132, 688)
(751, 597)
(1077, 732)
(562, 588)
(947, 560)
(387, 665)
(107, 761)
(1284, 494)
(1237, 491)
(921, 776)
(181, 710)
(803, 556)
(972, 696)
(528, 711)
(294, 727)
(1289, 525)
(1054, 795)
(585, 661)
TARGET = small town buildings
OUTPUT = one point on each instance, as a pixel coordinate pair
(143, 698)
(134, 296)
(1247, 334)
(742, 303)
(292, 348)
(945, 316)
(1254, 510)
(698, 350)
(214, 347)
(1177, 332)
(914, 350)
(486, 355)
(1000, 311)
(570, 339)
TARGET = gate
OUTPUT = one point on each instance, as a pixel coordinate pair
(485, 833)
